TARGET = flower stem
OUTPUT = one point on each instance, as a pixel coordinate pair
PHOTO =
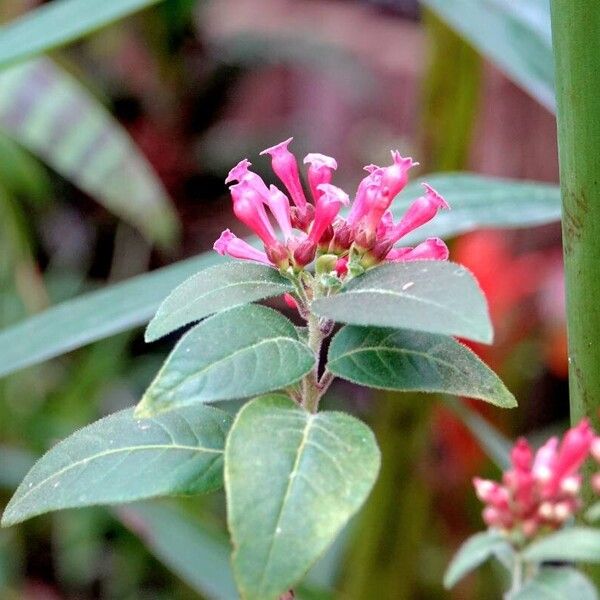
(311, 391)
(517, 576)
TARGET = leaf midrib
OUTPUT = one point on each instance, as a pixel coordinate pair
(130, 449)
(207, 294)
(291, 480)
(406, 296)
(394, 350)
(274, 340)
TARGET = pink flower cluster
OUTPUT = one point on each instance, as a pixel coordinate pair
(539, 492)
(309, 228)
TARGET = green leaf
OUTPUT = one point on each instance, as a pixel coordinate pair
(126, 305)
(92, 316)
(481, 202)
(557, 583)
(593, 512)
(242, 352)
(493, 442)
(50, 113)
(431, 296)
(292, 479)
(120, 459)
(213, 290)
(520, 47)
(193, 551)
(474, 552)
(59, 23)
(575, 544)
(403, 360)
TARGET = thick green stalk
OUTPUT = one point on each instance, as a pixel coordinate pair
(576, 35)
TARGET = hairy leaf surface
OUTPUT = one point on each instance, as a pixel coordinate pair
(293, 479)
(121, 459)
(213, 290)
(242, 352)
(432, 296)
(404, 360)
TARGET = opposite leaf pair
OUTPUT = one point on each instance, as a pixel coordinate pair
(293, 476)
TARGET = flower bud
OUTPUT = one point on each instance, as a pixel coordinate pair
(285, 167)
(278, 255)
(290, 300)
(231, 245)
(305, 252)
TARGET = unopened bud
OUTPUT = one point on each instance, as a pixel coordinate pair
(595, 449)
(546, 510)
(343, 236)
(305, 252)
(562, 511)
(278, 255)
(571, 485)
(301, 218)
(365, 238)
(530, 528)
(290, 300)
(325, 263)
(326, 237)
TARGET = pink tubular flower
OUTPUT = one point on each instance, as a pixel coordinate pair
(421, 211)
(362, 240)
(331, 200)
(242, 174)
(365, 193)
(285, 167)
(320, 171)
(248, 208)
(231, 245)
(430, 249)
(572, 453)
(290, 300)
(538, 493)
(395, 177)
(280, 207)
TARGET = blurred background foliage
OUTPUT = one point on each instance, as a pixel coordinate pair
(114, 146)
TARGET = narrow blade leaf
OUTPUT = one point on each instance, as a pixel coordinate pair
(120, 459)
(399, 359)
(497, 29)
(184, 544)
(92, 316)
(293, 479)
(59, 23)
(431, 296)
(213, 290)
(238, 353)
(568, 545)
(474, 552)
(557, 583)
(126, 305)
(50, 113)
(481, 202)
(492, 441)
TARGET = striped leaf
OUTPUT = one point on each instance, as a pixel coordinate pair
(46, 110)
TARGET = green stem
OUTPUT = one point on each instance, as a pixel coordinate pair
(576, 35)
(516, 576)
(576, 38)
(310, 385)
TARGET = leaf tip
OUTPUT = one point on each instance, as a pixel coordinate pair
(144, 410)
(151, 334)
